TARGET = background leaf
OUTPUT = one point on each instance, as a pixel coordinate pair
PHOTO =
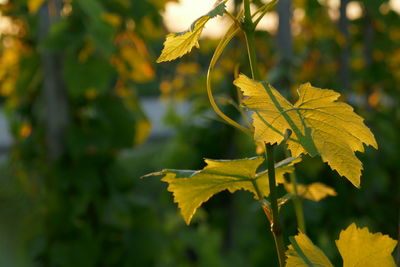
(314, 191)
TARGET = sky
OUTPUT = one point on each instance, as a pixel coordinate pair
(179, 16)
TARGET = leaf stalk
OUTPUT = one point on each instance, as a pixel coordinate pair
(232, 31)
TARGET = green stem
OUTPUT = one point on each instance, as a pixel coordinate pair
(297, 201)
(298, 204)
(249, 29)
(276, 227)
(247, 12)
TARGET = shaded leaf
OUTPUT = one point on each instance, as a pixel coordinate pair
(192, 188)
(94, 74)
(320, 125)
(100, 31)
(303, 252)
(359, 247)
(178, 44)
(314, 191)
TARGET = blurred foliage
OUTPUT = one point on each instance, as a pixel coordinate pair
(89, 208)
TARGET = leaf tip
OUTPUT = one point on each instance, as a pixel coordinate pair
(163, 57)
(187, 219)
(159, 60)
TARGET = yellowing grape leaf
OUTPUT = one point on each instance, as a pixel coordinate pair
(142, 131)
(303, 252)
(314, 191)
(320, 125)
(34, 5)
(112, 18)
(192, 188)
(359, 247)
(178, 44)
(133, 59)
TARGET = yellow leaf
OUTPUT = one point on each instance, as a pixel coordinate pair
(87, 50)
(178, 44)
(143, 128)
(320, 125)
(305, 253)
(34, 5)
(111, 18)
(359, 247)
(133, 60)
(314, 191)
(26, 130)
(192, 188)
(91, 93)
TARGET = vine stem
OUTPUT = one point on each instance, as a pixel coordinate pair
(297, 201)
(298, 205)
(276, 227)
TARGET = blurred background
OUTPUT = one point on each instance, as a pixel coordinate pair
(85, 111)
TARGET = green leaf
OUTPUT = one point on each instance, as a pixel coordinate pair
(303, 252)
(92, 8)
(192, 188)
(93, 74)
(99, 30)
(320, 124)
(359, 247)
(178, 44)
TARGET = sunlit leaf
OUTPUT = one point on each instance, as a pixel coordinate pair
(178, 44)
(192, 188)
(359, 247)
(303, 252)
(314, 191)
(320, 125)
